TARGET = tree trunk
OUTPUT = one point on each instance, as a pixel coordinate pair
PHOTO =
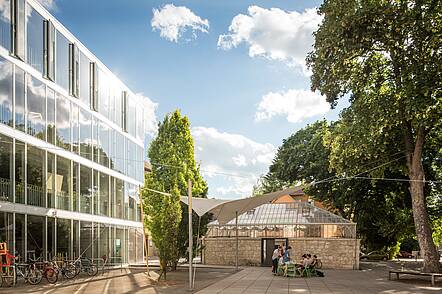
(420, 214)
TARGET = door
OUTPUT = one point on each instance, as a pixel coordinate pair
(268, 245)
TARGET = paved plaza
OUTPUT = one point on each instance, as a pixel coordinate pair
(373, 279)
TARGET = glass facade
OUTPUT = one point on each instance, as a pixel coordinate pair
(70, 172)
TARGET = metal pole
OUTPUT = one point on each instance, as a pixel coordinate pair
(145, 239)
(189, 193)
(237, 240)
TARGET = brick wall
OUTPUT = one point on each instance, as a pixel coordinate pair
(334, 253)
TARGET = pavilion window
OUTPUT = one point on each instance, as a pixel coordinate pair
(18, 28)
(93, 83)
(74, 70)
(49, 50)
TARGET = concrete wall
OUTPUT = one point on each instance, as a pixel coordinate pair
(334, 253)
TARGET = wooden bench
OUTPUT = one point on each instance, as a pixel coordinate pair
(397, 272)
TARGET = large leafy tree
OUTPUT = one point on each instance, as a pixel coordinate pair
(386, 56)
(172, 158)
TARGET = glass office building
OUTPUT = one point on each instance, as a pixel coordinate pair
(71, 144)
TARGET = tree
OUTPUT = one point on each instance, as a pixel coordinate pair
(173, 163)
(380, 209)
(385, 55)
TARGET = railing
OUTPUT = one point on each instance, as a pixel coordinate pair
(5, 189)
(36, 195)
(63, 200)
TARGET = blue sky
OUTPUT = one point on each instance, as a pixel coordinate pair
(243, 96)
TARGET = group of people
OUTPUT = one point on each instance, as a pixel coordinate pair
(282, 256)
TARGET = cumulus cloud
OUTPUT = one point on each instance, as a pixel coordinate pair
(173, 21)
(274, 34)
(295, 105)
(232, 163)
(150, 118)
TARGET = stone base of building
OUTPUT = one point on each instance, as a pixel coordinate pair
(334, 253)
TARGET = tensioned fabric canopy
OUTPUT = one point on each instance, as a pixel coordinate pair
(226, 210)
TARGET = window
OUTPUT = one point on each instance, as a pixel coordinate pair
(36, 110)
(131, 116)
(86, 239)
(85, 189)
(63, 123)
(124, 111)
(5, 24)
(74, 70)
(93, 76)
(50, 116)
(49, 50)
(96, 143)
(75, 129)
(6, 168)
(118, 96)
(85, 121)
(35, 237)
(104, 143)
(104, 194)
(84, 80)
(119, 198)
(63, 183)
(50, 180)
(62, 61)
(103, 93)
(35, 171)
(34, 37)
(20, 168)
(64, 237)
(6, 92)
(18, 28)
(50, 238)
(19, 111)
(140, 124)
(95, 191)
(75, 187)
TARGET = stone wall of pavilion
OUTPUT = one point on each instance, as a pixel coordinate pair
(335, 253)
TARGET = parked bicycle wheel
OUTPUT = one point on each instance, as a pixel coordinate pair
(69, 271)
(92, 270)
(34, 276)
(51, 275)
(318, 264)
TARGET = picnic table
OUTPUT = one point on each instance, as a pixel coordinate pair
(415, 273)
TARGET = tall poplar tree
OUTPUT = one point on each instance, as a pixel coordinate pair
(172, 158)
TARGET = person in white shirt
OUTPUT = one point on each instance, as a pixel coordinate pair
(275, 258)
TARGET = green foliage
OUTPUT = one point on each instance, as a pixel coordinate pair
(173, 163)
(386, 56)
(437, 231)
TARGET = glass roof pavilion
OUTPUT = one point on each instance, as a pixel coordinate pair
(285, 220)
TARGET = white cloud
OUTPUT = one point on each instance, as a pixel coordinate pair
(231, 163)
(173, 21)
(274, 34)
(296, 105)
(48, 4)
(149, 115)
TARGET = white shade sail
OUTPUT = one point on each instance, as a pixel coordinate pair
(225, 210)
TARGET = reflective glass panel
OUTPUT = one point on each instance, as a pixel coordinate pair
(75, 129)
(104, 194)
(50, 116)
(85, 189)
(6, 100)
(84, 79)
(63, 183)
(50, 180)
(104, 143)
(86, 239)
(6, 168)
(103, 93)
(119, 198)
(63, 238)
(20, 168)
(36, 108)
(51, 238)
(5, 24)
(96, 142)
(96, 191)
(34, 27)
(85, 121)
(75, 186)
(19, 99)
(35, 170)
(62, 61)
(20, 236)
(35, 237)
(63, 124)
(75, 239)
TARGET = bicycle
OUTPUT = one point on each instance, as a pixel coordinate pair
(49, 271)
(85, 265)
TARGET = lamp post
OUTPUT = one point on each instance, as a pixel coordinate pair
(189, 193)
